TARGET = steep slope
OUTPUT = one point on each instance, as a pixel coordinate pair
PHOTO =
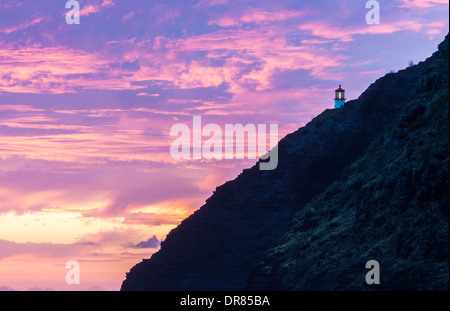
(223, 245)
(390, 206)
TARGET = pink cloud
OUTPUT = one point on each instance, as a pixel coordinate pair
(256, 16)
(210, 3)
(21, 26)
(56, 70)
(128, 17)
(165, 12)
(103, 258)
(327, 31)
(148, 94)
(8, 249)
(11, 3)
(95, 8)
(421, 3)
(260, 16)
(19, 108)
(263, 51)
(155, 219)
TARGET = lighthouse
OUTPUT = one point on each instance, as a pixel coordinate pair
(339, 99)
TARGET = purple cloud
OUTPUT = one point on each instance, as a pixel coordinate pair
(152, 242)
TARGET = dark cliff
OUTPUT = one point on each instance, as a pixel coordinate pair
(368, 181)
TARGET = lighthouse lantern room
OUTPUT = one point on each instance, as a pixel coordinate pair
(339, 99)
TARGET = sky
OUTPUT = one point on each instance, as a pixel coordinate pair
(86, 111)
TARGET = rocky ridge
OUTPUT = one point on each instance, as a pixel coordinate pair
(368, 181)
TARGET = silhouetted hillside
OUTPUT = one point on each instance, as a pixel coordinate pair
(368, 181)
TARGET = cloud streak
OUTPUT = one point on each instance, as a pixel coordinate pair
(421, 3)
(95, 7)
(8, 249)
(21, 26)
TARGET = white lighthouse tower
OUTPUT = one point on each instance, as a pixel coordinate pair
(339, 99)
